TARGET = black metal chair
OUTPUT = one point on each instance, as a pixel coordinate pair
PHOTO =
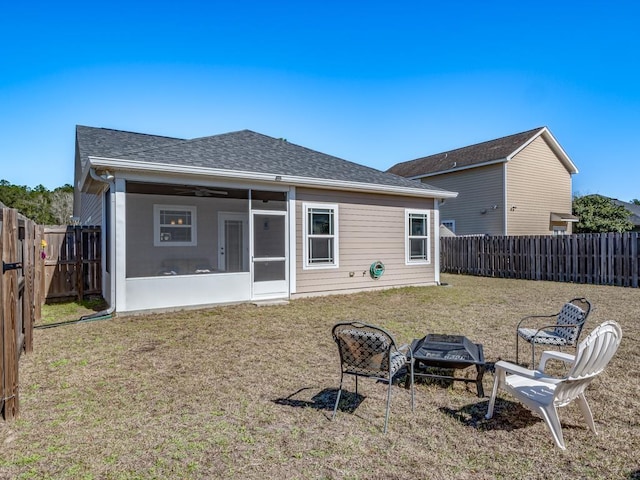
(563, 333)
(369, 351)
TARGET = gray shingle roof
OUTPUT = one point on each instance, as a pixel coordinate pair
(484, 152)
(245, 151)
(632, 208)
(105, 142)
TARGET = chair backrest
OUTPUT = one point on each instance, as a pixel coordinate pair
(364, 349)
(574, 315)
(592, 356)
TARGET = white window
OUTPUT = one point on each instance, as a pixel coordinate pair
(559, 230)
(320, 226)
(417, 232)
(450, 224)
(174, 226)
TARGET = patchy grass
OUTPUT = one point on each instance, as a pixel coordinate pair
(69, 311)
(247, 392)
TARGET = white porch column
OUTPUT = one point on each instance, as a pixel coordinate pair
(292, 240)
(436, 239)
(120, 244)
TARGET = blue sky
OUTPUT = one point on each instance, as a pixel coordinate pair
(373, 82)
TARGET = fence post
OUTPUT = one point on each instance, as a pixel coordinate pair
(9, 254)
(2, 282)
(29, 283)
(77, 233)
(634, 253)
(38, 280)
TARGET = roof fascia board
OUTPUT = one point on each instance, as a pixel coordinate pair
(151, 167)
(458, 169)
(555, 146)
(84, 175)
(205, 181)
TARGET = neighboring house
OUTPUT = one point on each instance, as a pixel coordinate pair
(515, 185)
(246, 217)
(634, 211)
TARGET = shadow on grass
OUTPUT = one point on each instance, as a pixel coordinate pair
(323, 400)
(507, 415)
(635, 475)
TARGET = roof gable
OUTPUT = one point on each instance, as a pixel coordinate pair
(493, 151)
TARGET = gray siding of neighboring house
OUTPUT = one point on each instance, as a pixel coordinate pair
(90, 212)
(371, 228)
(77, 169)
(479, 190)
(537, 184)
(86, 206)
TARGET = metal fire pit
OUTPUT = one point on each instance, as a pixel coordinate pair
(448, 352)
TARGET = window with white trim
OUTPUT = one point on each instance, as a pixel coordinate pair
(320, 243)
(174, 226)
(417, 245)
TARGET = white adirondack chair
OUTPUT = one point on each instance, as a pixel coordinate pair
(544, 394)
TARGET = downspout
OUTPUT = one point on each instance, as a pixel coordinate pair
(505, 209)
(108, 178)
(436, 236)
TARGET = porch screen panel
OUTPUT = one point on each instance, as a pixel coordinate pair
(269, 247)
(171, 234)
(269, 271)
(233, 235)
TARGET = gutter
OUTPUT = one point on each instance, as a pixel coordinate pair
(154, 167)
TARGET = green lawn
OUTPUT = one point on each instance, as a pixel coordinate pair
(247, 392)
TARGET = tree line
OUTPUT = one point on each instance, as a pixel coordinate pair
(43, 206)
(597, 214)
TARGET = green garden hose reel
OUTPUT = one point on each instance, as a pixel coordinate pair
(376, 270)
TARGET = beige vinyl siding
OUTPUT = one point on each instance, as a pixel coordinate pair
(371, 228)
(537, 184)
(479, 190)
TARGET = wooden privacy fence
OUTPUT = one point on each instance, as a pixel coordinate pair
(38, 264)
(72, 265)
(599, 258)
(21, 298)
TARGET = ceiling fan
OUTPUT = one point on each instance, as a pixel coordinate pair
(200, 191)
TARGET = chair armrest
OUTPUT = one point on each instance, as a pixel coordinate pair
(514, 369)
(553, 355)
(534, 316)
(406, 350)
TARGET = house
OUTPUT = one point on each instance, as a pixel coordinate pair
(634, 213)
(243, 216)
(514, 185)
(632, 208)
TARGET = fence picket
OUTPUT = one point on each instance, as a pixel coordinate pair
(24, 283)
(603, 259)
(72, 266)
